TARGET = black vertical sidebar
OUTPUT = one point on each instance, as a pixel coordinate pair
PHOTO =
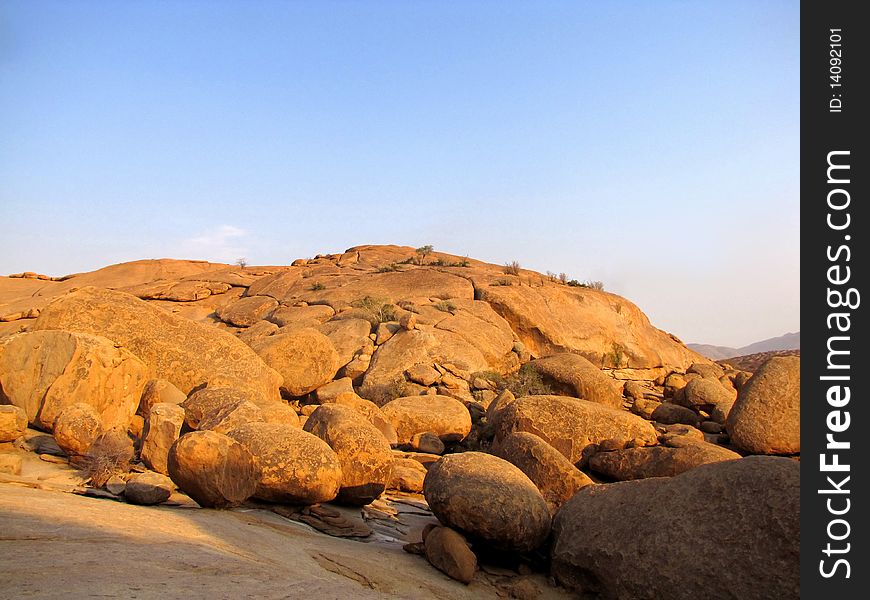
(835, 223)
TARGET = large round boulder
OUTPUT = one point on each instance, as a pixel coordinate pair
(549, 470)
(766, 417)
(444, 416)
(365, 455)
(213, 469)
(573, 375)
(206, 402)
(488, 498)
(708, 395)
(162, 428)
(305, 358)
(571, 424)
(76, 428)
(293, 466)
(182, 351)
(43, 372)
(645, 538)
(370, 411)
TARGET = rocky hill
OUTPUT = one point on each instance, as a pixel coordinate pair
(789, 341)
(475, 414)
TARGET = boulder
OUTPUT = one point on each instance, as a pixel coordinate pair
(76, 428)
(645, 408)
(176, 349)
(708, 395)
(750, 550)
(365, 455)
(423, 374)
(407, 475)
(280, 412)
(445, 417)
(371, 412)
(43, 372)
(447, 551)
(162, 428)
(504, 398)
(706, 370)
(148, 488)
(301, 316)
(330, 391)
(213, 469)
(426, 442)
(305, 358)
(159, 391)
(765, 419)
(488, 498)
(13, 422)
(245, 312)
(658, 461)
(575, 376)
(669, 414)
(224, 419)
(552, 473)
(293, 466)
(350, 337)
(571, 424)
(210, 400)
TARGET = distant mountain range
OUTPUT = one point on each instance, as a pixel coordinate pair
(789, 341)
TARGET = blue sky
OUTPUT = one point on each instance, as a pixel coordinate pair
(650, 145)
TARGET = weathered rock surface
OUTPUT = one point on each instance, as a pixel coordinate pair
(280, 412)
(186, 353)
(658, 461)
(765, 419)
(159, 391)
(407, 475)
(293, 466)
(13, 422)
(448, 552)
(224, 419)
(365, 455)
(370, 411)
(708, 395)
(669, 414)
(206, 401)
(445, 417)
(552, 473)
(246, 312)
(488, 498)
(757, 556)
(571, 424)
(213, 469)
(76, 428)
(576, 376)
(162, 428)
(305, 358)
(43, 372)
(148, 488)
(426, 442)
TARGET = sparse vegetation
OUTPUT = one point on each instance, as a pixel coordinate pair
(391, 268)
(241, 262)
(446, 263)
(445, 306)
(563, 278)
(551, 277)
(616, 356)
(501, 282)
(377, 309)
(423, 252)
(528, 382)
(594, 285)
(512, 268)
(317, 287)
(110, 454)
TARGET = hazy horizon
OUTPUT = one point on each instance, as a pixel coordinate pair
(652, 147)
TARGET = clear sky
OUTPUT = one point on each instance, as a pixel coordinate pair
(649, 145)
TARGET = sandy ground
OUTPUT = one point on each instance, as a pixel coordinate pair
(55, 544)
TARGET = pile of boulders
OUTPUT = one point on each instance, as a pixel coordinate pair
(149, 403)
